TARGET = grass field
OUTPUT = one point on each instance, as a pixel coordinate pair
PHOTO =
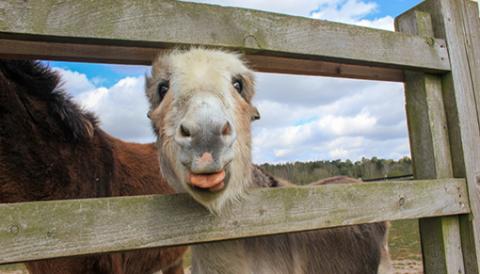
(404, 240)
(13, 269)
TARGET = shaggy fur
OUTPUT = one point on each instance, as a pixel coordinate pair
(50, 149)
(190, 82)
(198, 73)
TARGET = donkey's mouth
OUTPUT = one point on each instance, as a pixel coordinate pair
(213, 182)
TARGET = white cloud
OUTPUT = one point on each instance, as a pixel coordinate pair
(121, 108)
(353, 12)
(338, 153)
(302, 117)
(292, 7)
(98, 80)
(339, 126)
(282, 152)
(307, 118)
(74, 82)
(385, 23)
(344, 11)
(285, 99)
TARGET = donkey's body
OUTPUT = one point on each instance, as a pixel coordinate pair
(201, 112)
(50, 150)
(358, 249)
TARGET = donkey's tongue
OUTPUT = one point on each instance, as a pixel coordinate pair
(211, 181)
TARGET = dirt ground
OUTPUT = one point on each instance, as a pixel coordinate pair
(408, 267)
(13, 271)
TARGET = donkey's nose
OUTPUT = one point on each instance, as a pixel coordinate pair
(187, 129)
(205, 133)
(206, 144)
(185, 132)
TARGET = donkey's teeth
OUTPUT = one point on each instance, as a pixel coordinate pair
(213, 180)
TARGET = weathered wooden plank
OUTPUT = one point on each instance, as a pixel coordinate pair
(464, 131)
(472, 30)
(37, 230)
(478, 6)
(166, 24)
(431, 159)
(470, 239)
(144, 55)
(430, 147)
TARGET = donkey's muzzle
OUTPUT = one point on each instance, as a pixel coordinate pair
(205, 137)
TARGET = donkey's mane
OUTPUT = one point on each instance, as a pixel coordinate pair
(41, 82)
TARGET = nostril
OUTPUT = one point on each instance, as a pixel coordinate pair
(227, 129)
(184, 131)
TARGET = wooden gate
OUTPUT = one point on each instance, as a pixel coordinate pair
(435, 52)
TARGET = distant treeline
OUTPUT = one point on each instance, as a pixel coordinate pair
(306, 172)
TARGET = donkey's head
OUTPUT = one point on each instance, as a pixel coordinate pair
(200, 107)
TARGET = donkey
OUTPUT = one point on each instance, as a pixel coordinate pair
(201, 110)
(50, 149)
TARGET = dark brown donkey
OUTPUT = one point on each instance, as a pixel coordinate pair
(50, 149)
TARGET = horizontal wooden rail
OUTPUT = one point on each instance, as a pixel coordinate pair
(37, 230)
(20, 49)
(100, 27)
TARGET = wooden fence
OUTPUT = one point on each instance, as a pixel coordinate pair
(435, 52)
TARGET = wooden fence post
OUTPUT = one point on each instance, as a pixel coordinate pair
(429, 142)
(453, 22)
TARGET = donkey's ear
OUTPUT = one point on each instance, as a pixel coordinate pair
(255, 115)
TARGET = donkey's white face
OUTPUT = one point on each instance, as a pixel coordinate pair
(200, 107)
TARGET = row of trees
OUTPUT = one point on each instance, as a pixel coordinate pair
(306, 172)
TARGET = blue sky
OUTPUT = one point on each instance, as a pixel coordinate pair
(103, 74)
(325, 118)
(392, 7)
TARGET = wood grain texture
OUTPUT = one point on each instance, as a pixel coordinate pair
(470, 236)
(19, 49)
(167, 24)
(448, 18)
(472, 31)
(478, 6)
(36, 230)
(430, 147)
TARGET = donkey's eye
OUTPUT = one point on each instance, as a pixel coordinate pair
(238, 85)
(163, 88)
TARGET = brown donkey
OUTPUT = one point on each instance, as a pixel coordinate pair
(200, 107)
(50, 149)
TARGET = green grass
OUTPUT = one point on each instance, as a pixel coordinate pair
(187, 258)
(404, 240)
(13, 268)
